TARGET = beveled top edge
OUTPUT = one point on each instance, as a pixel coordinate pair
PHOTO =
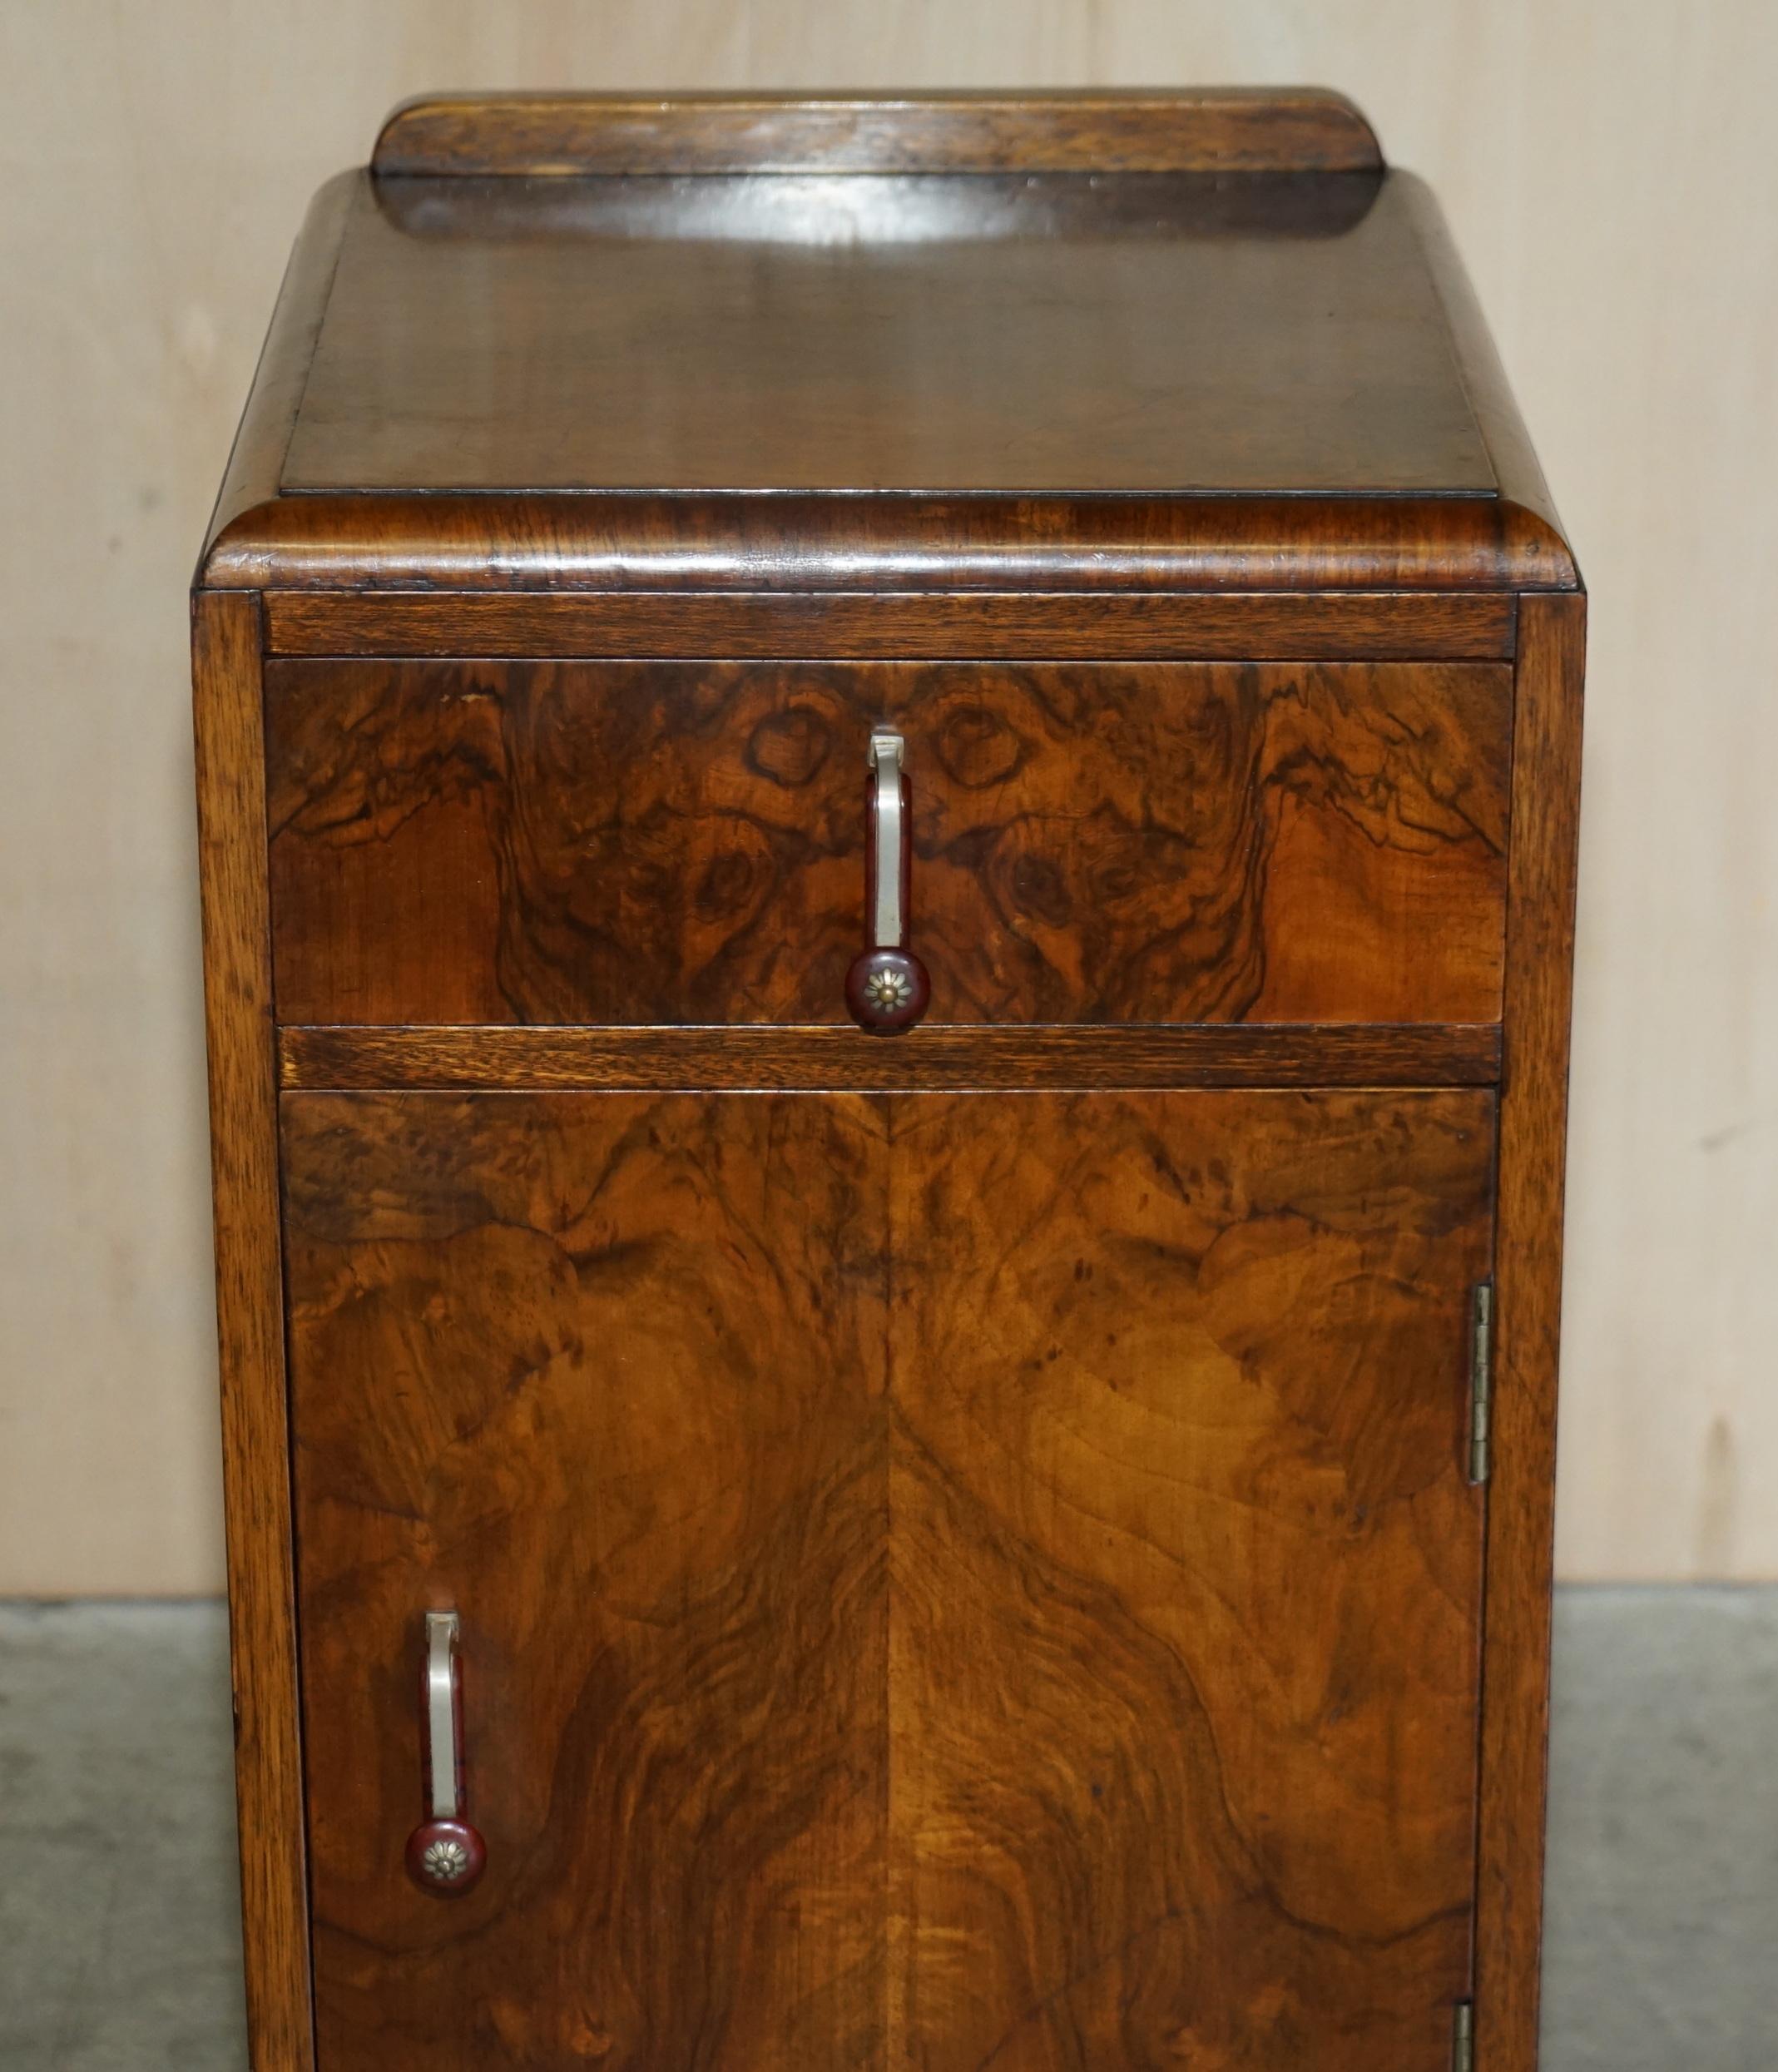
(255, 463)
(1265, 129)
(570, 542)
(1514, 459)
(260, 538)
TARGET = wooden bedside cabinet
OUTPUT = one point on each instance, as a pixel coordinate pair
(888, 801)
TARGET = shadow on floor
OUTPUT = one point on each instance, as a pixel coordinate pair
(120, 1932)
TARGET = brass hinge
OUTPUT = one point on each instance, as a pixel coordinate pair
(1481, 1380)
(1463, 2037)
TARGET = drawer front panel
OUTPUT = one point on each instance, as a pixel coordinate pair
(892, 1635)
(625, 842)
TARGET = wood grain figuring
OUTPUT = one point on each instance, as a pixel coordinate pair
(1256, 627)
(1360, 1054)
(1184, 1579)
(635, 843)
(605, 1377)
(963, 1541)
(886, 1628)
(249, 1315)
(1546, 796)
(1270, 129)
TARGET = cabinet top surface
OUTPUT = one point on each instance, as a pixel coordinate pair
(1073, 340)
(967, 333)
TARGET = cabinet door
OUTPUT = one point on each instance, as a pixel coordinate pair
(1184, 1628)
(602, 1374)
(945, 1581)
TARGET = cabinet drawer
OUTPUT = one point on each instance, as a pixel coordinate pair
(637, 842)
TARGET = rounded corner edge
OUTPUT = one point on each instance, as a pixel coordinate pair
(1368, 154)
(1539, 554)
(385, 155)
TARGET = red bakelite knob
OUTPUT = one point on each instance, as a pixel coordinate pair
(445, 1856)
(887, 990)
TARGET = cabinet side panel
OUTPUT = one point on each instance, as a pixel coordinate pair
(244, 1151)
(1540, 942)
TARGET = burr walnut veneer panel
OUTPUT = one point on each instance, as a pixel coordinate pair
(618, 842)
(951, 1580)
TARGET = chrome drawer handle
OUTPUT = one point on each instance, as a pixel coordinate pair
(887, 988)
(445, 1854)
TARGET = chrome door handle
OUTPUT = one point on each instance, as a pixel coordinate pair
(445, 1854)
(887, 987)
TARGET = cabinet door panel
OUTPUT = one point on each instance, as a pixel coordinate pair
(1186, 1577)
(946, 1581)
(604, 1375)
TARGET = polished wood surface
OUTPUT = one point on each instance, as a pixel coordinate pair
(605, 1376)
(250, 487)
(1421, 1055)
(1184, 1579)
(1308, 333)
(372, 542)
(497, 842)
(858, 1666)
(226, 640)
(780, 333)
(963, 1541)
(1511, 454)
(1019, 626)
(1533, 1115)
(1218, 130)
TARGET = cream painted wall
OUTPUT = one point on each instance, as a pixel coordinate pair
(1609, 170)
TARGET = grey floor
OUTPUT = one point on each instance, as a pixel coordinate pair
(120, 1937)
